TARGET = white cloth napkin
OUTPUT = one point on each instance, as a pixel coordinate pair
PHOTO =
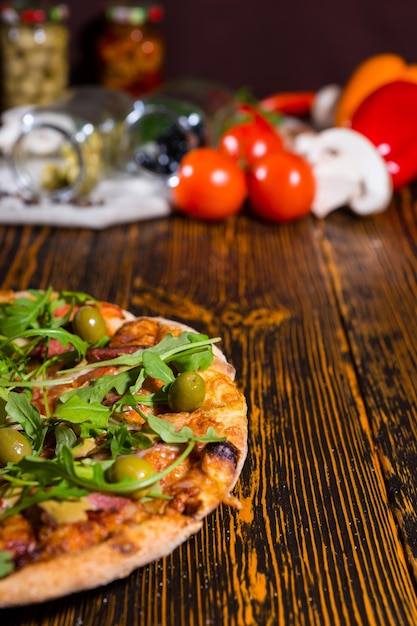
(118, 200)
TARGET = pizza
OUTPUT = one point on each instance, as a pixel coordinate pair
(118, 436)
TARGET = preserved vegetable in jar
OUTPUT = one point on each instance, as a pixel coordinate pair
(66, 147)
(170, 121)
(131, 49)
(34, 40)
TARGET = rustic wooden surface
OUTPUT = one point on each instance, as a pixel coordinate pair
(319, 320)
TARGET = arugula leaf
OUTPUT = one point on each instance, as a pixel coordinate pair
(150, 399)
(60, 334)
(156, 368)
(74, 297)
(4, 382)
(188, 352)
(169, 349)
(87, 474)
(76, 411)
(23, 313)
(124, 360)
(10, 371)
(122, 441)
(101, 386)
(6, 563)
(4, 394)
(187, 343)
(64, 436)
(24, 413)
(139, 382)
(166, 430)
(37, 310)
(192, 361)
(64, 490)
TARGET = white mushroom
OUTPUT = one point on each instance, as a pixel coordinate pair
(349, 171)
(290, 127)
(324, 106)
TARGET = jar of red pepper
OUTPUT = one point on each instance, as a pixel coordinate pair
(131, 48)
(34, 41)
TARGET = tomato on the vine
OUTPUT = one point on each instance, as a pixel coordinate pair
(210, 185)
(248, 141)
(281, 186)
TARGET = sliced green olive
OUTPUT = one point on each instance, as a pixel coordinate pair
(131, 467)
(187, 392)
(89, 324)
(13, 446)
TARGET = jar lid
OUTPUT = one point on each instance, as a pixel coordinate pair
(33, 12)
(134, 14)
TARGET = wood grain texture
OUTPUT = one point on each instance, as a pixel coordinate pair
(318, 319)
(376, 279)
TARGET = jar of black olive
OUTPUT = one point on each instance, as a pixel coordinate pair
(181, 115)
(34, 39)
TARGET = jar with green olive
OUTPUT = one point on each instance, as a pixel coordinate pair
(65, 148)
(34, 38)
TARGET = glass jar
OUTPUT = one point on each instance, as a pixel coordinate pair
(34, 52)
(169, 122)
(64, 149)
(131, 49)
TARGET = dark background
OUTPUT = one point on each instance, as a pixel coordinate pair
(264, 45)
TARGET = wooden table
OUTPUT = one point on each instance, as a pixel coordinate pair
(319, 319)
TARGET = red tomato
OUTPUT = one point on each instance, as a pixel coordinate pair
(211, 186)
(281, 187)
(247, 142)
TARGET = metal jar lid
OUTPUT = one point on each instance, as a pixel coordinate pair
(14, 13)
(135, 14)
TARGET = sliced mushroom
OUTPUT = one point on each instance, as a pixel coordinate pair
(349, 171)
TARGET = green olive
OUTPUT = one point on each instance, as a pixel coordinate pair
(13, 446)
(89, 324)
(187, 392)
(132, 467)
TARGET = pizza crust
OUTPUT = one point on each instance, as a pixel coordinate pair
(130, 547)
(99, 565)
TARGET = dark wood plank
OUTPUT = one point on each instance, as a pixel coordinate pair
(375, 276)
(316, 541)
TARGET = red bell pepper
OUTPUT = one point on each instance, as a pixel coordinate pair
(388, 118)
(289, 102)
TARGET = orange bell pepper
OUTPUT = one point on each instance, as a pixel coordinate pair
(368, 76)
